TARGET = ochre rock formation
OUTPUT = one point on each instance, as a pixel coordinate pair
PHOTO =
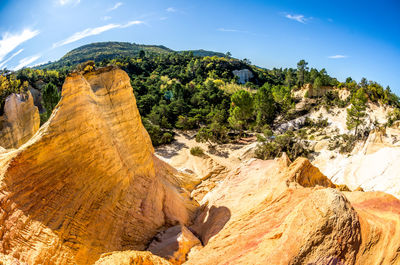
(87, 188)
(379, 215)
(19, 122)
(131, 258)
(87, 183)
(265, 212)
(372, 166)
(174, 244)
(261, 215)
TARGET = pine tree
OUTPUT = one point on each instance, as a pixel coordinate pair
(264, 105)
(51, 96)
(241, 109)
(356, 114)
(302, 71)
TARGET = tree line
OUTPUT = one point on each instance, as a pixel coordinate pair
(183, 91)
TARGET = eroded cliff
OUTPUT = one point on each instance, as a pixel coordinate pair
(266, 212)
(86, 183)
(19, 122)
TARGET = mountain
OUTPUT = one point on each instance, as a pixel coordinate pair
(204, 53)
(110, 50)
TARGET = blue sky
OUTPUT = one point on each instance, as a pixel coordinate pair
(348, 38)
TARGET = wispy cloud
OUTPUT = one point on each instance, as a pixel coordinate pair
(232, 30)
(105, 18)
(131, 23)
(9, 58)
(94, 31)
(227, 30)
(338, 56)
(115, 6)
(171, 10)
(10, 41)
(26, 61)
(67, 2)
(298, 18)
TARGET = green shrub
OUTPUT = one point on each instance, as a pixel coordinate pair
(287, 143)
(158, 136)
(197, 151)
(393, 116)
(344, 142)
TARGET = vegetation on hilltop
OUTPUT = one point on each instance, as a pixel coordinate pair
(184, 91)
(100, 51)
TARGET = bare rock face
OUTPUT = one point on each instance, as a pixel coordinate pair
(305, 174)
(174, 244)
(266, 212)
(131, 258)
(20, 121)
(244, 75)
(379, 215)
(86, 183)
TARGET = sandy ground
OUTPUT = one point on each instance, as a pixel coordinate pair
(177, 154)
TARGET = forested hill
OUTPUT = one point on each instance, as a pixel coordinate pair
(221, 97)
(112, 50)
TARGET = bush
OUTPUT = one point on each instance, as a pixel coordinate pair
(393, 116)
(197, 151)
(283, 143)
(344, 142)
(188, 123)
(213, 133)
(158, 136)
(320, 123)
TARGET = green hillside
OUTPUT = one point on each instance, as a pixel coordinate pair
(112, 50)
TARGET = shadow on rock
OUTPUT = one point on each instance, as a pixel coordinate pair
(210, 222)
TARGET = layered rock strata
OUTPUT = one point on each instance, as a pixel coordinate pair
(19, 122)
(86, 183)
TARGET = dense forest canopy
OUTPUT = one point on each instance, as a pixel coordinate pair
(110, 50)
(187, 90)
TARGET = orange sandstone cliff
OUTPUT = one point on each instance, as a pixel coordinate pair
(86, 183)
(267, 213)
(19, 122)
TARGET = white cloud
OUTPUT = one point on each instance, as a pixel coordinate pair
(85, 33)
(106, 18)
(170, 10)
(11, 41)
(26, 61)
(94, 31)
(9, 58)
(233, 30)
(131, 23)
(298, 18)
(228, 30)
(338, 56)
(115, 6)
(67, 2)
